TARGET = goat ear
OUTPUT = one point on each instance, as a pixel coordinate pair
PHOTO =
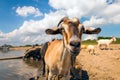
(92, 31)
(52, 31)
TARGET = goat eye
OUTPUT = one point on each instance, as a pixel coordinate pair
(70, 23)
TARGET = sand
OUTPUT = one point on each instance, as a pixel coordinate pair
(104, 65)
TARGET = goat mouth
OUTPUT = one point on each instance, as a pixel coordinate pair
(75, 52)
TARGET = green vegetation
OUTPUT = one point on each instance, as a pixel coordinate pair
(117, 41)
(93, 42)
(29, 45)
(89, 42)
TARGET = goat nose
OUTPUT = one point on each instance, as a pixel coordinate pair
(75, 44)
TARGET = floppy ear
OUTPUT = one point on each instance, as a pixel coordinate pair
(92, 31)
(53, 31)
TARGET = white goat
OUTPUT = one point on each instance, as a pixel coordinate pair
(105, 42)
(91, 49)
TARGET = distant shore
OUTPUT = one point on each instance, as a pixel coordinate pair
(22, 48)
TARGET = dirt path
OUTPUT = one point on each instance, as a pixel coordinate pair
(104, 65)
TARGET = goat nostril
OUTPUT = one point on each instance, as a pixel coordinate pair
(75, 44)
(72, 43)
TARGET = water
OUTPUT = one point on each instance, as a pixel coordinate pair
(16, 69)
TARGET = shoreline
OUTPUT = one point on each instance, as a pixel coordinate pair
(23, 48)
(20, 48)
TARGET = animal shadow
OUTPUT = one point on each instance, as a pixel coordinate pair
(83, 77)
(107, 49)
(32, 78)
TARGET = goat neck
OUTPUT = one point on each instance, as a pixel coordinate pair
(65, 53)
(111, 40)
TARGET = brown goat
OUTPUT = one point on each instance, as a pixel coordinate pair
(61, 54)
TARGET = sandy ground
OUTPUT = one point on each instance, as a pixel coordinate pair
(104, 65)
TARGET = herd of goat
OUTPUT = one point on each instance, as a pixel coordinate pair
(102, 44)
(59, 56)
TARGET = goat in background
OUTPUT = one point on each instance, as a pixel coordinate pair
(105, 42)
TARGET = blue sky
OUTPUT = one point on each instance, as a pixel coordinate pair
(9, 20)
(24, 21)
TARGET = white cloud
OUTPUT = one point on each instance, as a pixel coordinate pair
(28, 10)
(98, 12)
(115, 19)
(91, 37)
(112, 13)
(111, 10)
(94, 21)
(31, 32)
(100, 9)
(78, 8)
